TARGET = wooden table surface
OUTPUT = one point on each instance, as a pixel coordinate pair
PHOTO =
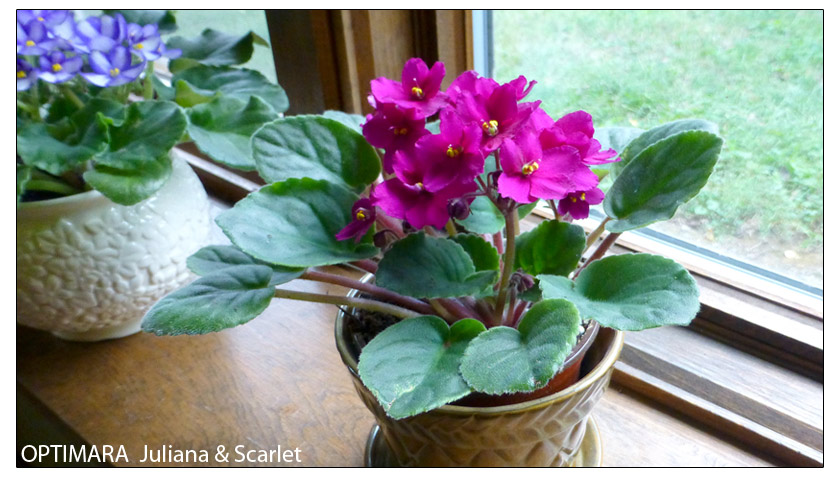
(276, 381)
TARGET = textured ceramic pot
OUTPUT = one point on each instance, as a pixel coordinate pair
(88, 269)
(544, 432)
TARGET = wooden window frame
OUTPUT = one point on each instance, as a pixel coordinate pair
(334, 55)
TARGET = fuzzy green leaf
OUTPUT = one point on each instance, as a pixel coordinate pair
(314, 147)
(294, 223)
(430, 267)
(505, 360)
(484, 218)
(213, 258)
(616, 138)
(127, 181)
(412, 366)
(164, 19)
(222, 129)
(241, 83)
(552, 247)
(660, 179)
(629, 292)
(647, 138)
(23, 175)
(150, 130)
(212, 48)
(352, 121)
(214, 302)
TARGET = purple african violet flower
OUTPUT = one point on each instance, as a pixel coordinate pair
(32, 39)
(577, 204)
(499, 115)
(576, 130)
(114, 68)
(530, 173)
(420, 88)
(454, 155)
(56, 67)
(363, 217)
(59, 23)
(101, 33)
(144, 41)
(406, 197)
(394, 128)
(26, 76)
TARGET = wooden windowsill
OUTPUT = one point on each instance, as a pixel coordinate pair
(279, 381)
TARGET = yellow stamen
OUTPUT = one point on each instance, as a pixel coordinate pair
(583, 196)
(361, 215)
(138, 46)
(40, 19)
(400, 131)
(454, 151)
(417, 92)
(30, 43)
(56, 67)
(574, 199)
(21, 74)
(491, 128)
(530, 168)
(114, 72)
(419, 185)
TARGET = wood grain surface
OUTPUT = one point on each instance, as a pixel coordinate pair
(278, 381)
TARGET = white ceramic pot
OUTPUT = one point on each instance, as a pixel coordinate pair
(88, 269)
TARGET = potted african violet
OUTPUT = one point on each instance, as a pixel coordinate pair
(467, 340)
(106, 217)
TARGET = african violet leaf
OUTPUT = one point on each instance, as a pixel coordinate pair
(431, 267)
(150, 130)
(222, 128)
(629, 292)
(662, 177)
(217, 301)
(164, 19)
(506, 360)
(74, 136)
(294, 223)
(241, 83)
(552, 247)
(213, 48)
(213, 258)
(352, 121)
(523, 210)
(483, 254)
(412, 366)
(645, 139)
(484, 218)
(314, 147)
(128, 181)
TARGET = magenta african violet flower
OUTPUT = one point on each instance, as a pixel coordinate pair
(363, 215)
(419, 89)
(577, 204)
(406, 197)
(454, 155)
(394, 128)
(498, 114)
(576, 130)
(530, 173)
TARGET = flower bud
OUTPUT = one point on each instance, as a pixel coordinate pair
(459, 209)
(381, 239)
(521, 281)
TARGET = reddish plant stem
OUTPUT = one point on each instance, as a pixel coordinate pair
(457, 309)
(517, 314)
(353, 302)
(379, 292)
(367, 265)
(509, 318)
(498, 242)
(599, 252)
(507, 270)
(391, 224)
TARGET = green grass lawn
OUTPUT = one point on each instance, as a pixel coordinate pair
(758, 74)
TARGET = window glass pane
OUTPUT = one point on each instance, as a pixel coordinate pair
(757, 74)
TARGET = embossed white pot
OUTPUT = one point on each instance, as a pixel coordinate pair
(88, 269)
